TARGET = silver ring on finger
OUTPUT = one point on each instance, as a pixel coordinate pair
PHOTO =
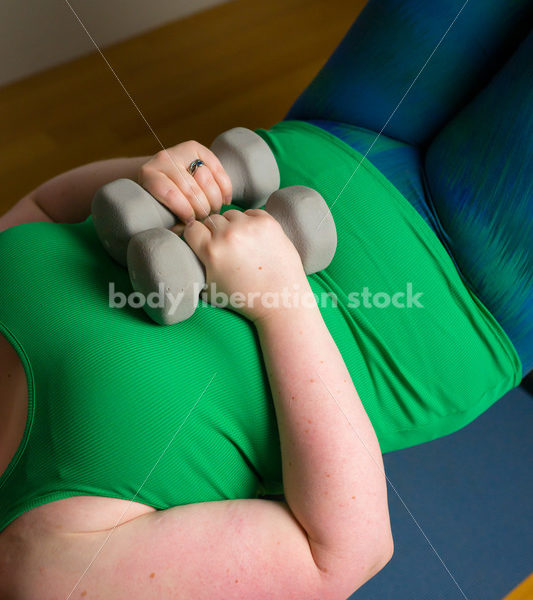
(195, 165)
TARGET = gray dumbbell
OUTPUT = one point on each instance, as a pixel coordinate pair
(123, 208)
(169, 275)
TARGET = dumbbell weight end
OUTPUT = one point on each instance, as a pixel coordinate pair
(169, 275)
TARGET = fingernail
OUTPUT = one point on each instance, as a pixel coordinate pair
(227, 200)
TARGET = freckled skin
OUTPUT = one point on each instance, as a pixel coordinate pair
(312, 380)
(152, 575)
(259, 268)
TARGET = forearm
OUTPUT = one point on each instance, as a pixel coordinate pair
(67, 197)
(333, 472)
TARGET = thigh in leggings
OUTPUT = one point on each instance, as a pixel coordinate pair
(384, 50)
(479, 175)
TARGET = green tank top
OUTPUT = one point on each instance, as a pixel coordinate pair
(124, 408)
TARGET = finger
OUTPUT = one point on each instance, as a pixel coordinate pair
(219, 173)
(234, 215)
(189, 187)
(256, 212)
(178, 229)
(216, 223)
(197, 235)
(206, 180)
(164, 190)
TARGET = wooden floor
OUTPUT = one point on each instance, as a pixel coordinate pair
(239, 64)
(524, 591)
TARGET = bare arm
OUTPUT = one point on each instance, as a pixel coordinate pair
(333, 472)
(67, 197)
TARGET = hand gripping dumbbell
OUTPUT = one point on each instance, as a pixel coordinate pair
(123, 208)
(161, 263)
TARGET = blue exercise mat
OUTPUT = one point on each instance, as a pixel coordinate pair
(470, 493)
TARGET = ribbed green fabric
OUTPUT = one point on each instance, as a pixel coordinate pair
(109, 390)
